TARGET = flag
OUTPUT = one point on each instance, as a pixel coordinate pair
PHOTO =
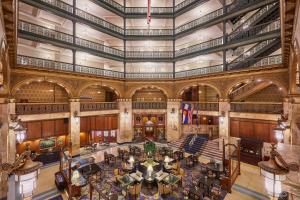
(186, 112)
(191, 116)
(149, 12)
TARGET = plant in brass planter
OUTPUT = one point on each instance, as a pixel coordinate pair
(150, 148)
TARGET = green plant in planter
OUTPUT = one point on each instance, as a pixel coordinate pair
(150, 148)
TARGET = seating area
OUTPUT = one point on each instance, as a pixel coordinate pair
(134, 173)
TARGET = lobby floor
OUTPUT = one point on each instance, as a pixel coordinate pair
(248, 186)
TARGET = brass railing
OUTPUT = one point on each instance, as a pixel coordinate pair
(257, 107)
(97, 106)
(41, 108)
(149, 105)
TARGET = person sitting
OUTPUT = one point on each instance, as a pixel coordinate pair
(134, 190)
(164, 189)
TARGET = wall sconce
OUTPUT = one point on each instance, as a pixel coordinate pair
(278, 132)
(125, 111)
(18, 128)
(222, 117)
(283, 122)
(173, 111)
(75, 115)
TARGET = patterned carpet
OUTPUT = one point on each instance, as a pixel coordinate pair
(108, 180)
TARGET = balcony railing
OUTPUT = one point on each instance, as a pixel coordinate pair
(149, 54)
(242, 23)
(98, 72)
(149, 32)
(114, 4)
(99, 47)
(257, 107)
(44, 63)
(149, 105)
(99, 21)
(41, 108)
(256, 62)
(254, 31)
(199, 47)
(62, 66)
(143, 10)
(253, 50)
(46, 32)
(199, 71)
(98, 106)
(243, 89)
(184, 4)
(59, 4)
(199, 21)
(208, 106)
(150, 75)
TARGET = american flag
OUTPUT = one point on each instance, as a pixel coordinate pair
(149, 12)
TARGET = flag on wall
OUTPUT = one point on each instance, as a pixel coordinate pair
(187, 113)
(149, 12)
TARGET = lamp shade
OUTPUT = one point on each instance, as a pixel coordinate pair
(27, 176)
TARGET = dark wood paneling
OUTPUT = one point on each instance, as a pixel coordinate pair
(61, 127)
(92, 121)
(261, 130)
(234, 128)
(34, 130)
(83, 124)
(48, 128)
(246, 129)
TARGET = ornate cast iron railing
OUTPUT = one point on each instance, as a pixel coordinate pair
(149, 54)
(199, 71)
(256, 62)
(44, 63)
(98, 71)
(150, 75)
(257, 107)
(149, 32)
(41, 108)
(97, 106)
(149, 105)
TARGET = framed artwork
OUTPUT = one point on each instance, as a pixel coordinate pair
(47, 143)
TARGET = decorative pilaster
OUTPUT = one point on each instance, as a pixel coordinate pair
(7, 140)
(173, 131)
(125, 121)
(224, 108)
(292, 110)
(74, 127)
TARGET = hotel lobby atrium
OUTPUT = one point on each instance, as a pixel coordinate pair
(150, 99)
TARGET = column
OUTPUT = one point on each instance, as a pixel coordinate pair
(173, 129)
(224, 119)
(74, 127)
(125, 121)
(292, 110)
(7, 140)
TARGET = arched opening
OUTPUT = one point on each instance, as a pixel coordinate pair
(98, 93)
(203, 101)
(43, 133)
(41, 92)
(200, 93)
(149, 115)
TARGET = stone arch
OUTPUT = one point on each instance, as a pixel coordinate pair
(134, 90)
(106, 85)
(278, 83)
(66, 86)
(183, 88)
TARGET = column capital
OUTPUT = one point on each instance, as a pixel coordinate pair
(7, 100)
(74, 100)
(225, 100)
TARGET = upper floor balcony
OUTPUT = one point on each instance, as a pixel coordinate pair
(248, 36)
(67, 11)
(257, 107)
(50, 65)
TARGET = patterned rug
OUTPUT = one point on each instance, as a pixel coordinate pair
(146, 194)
